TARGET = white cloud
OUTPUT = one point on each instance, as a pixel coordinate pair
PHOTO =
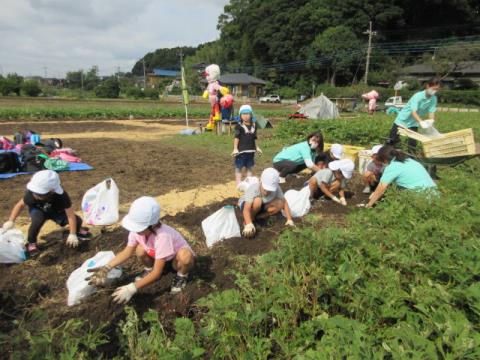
(65, 35)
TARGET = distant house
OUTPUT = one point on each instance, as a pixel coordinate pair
(241, 84)
(159, 75)
(466, 70)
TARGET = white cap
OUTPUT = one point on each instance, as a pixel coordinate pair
(245, 109)
(376, 149)
(337, 151)
(45, 181)
(270, 179)
(346, 166)
(144, 212)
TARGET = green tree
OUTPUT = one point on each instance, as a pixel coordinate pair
(12, 83)
(31, 88)
(109, 88)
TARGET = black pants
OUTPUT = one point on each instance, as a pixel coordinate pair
(394, 138)
(286, 167)
(39, 218)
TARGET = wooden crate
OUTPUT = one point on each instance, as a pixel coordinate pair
(456, 143)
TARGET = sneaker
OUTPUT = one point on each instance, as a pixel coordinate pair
(367, 190)
(178, 284)
(144, 273)
(282, 180)
(84, 234)
(32, 250)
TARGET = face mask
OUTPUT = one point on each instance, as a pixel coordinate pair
(313, 145)
(431, 92)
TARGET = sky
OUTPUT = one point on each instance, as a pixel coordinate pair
(56, 36)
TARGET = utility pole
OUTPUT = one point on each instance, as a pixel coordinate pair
(370, 34)
(45, 72)
(118, 73)
(144, 75)
(81, 78)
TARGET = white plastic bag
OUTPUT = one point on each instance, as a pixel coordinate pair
(221, 225)
(431, 132)
(298, 201)
(100, 204)
(12, 247)
(245, 184)
(78, 287)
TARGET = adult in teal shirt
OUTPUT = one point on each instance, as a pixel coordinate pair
(293, 159)
(406, 173)
(420, 105)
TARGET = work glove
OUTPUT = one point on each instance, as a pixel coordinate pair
(99, 276)
(343, 201)
(8, 225)
(259, 151)
(337, 200)
(425, 124)
(123, 294)
(249, 230)
(72, 240)
(235, 152)
(290, 223)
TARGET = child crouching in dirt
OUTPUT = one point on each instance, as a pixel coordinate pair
(263, 199)
(244, 144)
(46, 200)
(330, 182)
(155, 244)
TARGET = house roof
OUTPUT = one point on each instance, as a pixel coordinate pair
(166, 73)
(239, 79)
(468, 67)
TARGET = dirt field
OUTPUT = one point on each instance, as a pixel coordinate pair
(190, 186)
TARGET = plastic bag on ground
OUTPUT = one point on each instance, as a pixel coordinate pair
(298, 201)
(221, 225)
(78, 288)
(100, 204)
(12, 247)
(245, 184)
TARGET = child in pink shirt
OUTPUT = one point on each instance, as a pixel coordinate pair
(155, 244)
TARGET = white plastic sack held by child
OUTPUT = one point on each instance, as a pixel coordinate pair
(12, 247)
(298, 201)
(100, 204)
(78, 288)
(221, 225)
(245, 184)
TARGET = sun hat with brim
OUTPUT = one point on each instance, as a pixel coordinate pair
(44, 182)
(245, 109)
(337, 151)
(376, 149)
(346, 166)
(143, 212)
(270, 179)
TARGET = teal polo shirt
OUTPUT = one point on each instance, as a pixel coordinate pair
(420, 103)
(409, 175)
(297, 153)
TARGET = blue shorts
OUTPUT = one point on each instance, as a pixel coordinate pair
(245, 160)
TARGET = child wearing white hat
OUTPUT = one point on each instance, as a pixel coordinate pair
(47, 200)
(331, 181)
(334, 153)
(155, 244)
(245, 143)
(373, 172)
(264, 197)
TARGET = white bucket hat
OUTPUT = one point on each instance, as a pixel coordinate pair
(346, 166)
(245, 109)
(337, 151)
(45, 181)
(144, 212)
(376, 149)
(270, 179)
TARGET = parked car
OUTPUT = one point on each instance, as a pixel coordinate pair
(270, 99)
(395, 101)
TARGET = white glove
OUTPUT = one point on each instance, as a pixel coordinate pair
(235, 152)
(123, 294)
(290, 223)
(249, 230)
(259, 151)
(337, 200)
(361, 205)
(343, 201)
(72, 240)
(99, 276)
(425, 124)
(8, 225)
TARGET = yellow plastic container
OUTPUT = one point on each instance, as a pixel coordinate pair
(349, 152)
